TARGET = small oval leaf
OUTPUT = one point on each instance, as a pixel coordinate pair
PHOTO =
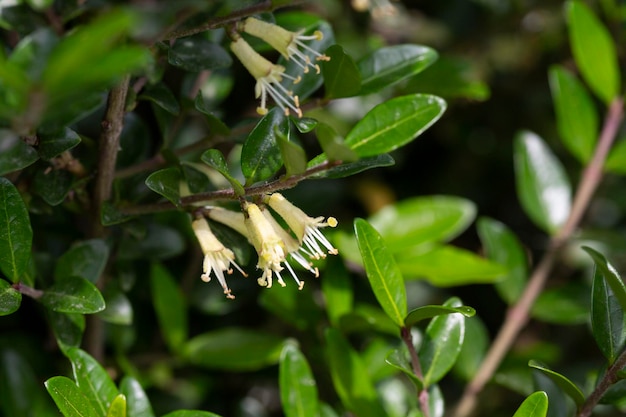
(118, 407)
(341, 75)
(564, 383)
(85, 259)
(170, 307)
(73, 295)
(428, 312)
(610, 274)
(298, 391)
(607, 318)
(70, 400)
(137, 402)
(16, 234)
(536, 405)
(260, 155)
(166, 182)
(93, 381)
(10, 299)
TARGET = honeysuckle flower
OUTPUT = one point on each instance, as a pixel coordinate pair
(291, 45)
(217, 258)
(304, 227)
(268, 78)
(232, 219)
(269, 245)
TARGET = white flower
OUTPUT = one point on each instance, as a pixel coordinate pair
(268, 79)
(217, 258)
(304, 227)
(291, 45)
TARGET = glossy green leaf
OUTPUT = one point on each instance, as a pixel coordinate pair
(568, 304)
(10, 298)
(260, 155)
(52, 186)
(475, 345)
(170, 307)
(576, 116)
(292, 154)
(341, 75)
(137, 402)
(119, 309)
(55, 142)
(536, 405)
(190, 413)
(542, 184)
(304, 124)
(442, 344)
(445, 266)
(352, 168)
(68, 328)
(85, 259)
(215, 124)
(430, 311)
(166, 182)
(298, 390)
(234, 349)
(610, 274)
(616, 161)
(15, 153)
(394, 123)
(399, 360)
(93, 380)
(112, 215)
(16, 234)
(420, 220)
(337, 290)
(367, 318)
(502, 247)
(333, 145)
(594, 51)
(70, 400)
(163, 97)
(565, 384)
(73, 295)
(392, 64)
(350, 377)
(383, 274)
(216, 160)
(196, 53)
(607, 319)
(118, 407)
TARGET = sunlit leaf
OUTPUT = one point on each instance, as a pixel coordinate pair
(70, 400)
(92, 380)
(610, 274)
(607, 319)
(298, 390)
(565, 384)
(341, 75)
(118, 407)
(536, 405)
(10, 298)
(137, 402)
(260, 155)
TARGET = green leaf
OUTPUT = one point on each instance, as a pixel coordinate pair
(112, 215)
(118, 407)
(68, 328)
(53, 143)
(166, 182)
(341, 75)
(163, 97)
(197, 53)
(170, 307)
(442, 344)
(298, 391)
(536, 405)
(190, 413)
(420, 220)
(16, 234)
(399, 360)
(610, 274)
(394, 123)
(430, 311)
(352, 168)
(616, 161)
(390, 65)
(292, 154)
(594, 51)
(73, 295)
(15, 153)
(333, 145)
(234, 349)
(304, 124)
(337, 291)
(568, 304)
(607, 319)
(475, 345)
(215, 124)
(10, 298)
(70, 400)
(137, 402)
(576, 116)
(215, 160)
(542, 184)
(350, 377)
(502, 247)
(260, 155)
(119, 309)
(94, 382)
(565, 384)
(367, 318)
(383, 273)
(52, 186)
(85, 259)
(445, 266)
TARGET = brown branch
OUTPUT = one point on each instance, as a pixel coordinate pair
(518, 314)
(609, 378)
(422, 395)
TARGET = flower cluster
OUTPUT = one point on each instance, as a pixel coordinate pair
(275, 246)
(269, 76)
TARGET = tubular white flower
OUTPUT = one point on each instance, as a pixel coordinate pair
(290, 44)
(304, 227)
(268, 79)
(217, 258)
(232, 219)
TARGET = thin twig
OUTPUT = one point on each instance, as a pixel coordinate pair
(518, 314)
(609, 378)
(422, 395)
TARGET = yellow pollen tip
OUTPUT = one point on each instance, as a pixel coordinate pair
(205, 278)
(317, 69)
(297, 80)
(332, 222)
(261, 110)
(301, 286)
(318, 35)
